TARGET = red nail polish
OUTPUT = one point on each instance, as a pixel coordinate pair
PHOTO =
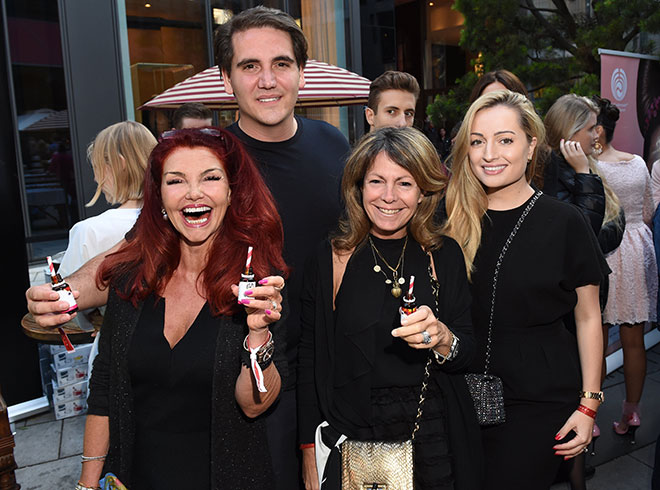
(557, 437)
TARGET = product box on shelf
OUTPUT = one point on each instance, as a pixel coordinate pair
(68, 375)
(62, 358)
(70, 408)
(69, 392)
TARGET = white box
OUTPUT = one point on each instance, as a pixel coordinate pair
(65, 393)
(70, 408)
(79, 356)
(68, 375)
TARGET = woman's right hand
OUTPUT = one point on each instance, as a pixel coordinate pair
(309, 472)
(575, 156)
(46, 307)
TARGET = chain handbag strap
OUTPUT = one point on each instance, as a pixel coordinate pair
(498, 264)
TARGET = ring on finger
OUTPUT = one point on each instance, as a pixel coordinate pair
(426, 338)
(274, 303)
(586, 449)
(279, 288)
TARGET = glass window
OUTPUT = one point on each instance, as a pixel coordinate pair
(50, 204)
(167, 42)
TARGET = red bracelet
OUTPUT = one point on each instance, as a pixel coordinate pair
(587, 411)
(307, 446)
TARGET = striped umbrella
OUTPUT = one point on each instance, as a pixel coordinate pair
(325, 85)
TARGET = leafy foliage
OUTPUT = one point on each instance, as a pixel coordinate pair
(552, 49)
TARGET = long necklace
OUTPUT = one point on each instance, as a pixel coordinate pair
(397, 279)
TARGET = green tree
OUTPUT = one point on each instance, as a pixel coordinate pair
(552, 49)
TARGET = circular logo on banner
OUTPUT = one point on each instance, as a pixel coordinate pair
(619, 84)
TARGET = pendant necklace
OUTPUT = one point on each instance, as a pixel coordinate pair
(397, 278)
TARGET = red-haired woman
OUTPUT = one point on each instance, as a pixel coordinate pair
(175, 393)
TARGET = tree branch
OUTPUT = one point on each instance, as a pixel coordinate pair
(550, 29)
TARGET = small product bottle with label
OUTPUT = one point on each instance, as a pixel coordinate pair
(409, 307)
(62, 288)
(247, 278)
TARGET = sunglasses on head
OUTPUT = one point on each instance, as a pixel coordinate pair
(207, 131)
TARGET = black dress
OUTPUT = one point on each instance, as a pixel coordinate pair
(172, 395)
(373, 379)
(553, 253)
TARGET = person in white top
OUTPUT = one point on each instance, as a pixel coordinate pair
(118, 155)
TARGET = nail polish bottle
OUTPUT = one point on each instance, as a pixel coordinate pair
(62, 287)
(247, 278)
(409, 307)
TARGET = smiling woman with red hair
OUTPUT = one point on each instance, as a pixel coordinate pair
(175, 367)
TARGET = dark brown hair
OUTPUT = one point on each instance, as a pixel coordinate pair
(255, 18)
(391, 80)
(192, 110)
(505, 77)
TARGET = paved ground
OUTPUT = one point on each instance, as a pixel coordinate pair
(48, 451)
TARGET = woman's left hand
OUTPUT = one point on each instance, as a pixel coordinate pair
(582, 425)
(265, 304)
(423, 320)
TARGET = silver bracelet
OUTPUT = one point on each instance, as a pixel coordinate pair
(80, 486)
(91, 458)
(453, 350)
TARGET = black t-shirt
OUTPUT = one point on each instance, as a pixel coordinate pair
(304, 175)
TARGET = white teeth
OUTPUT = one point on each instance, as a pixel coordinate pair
(389, 211)
(494, 169)
(202, 209)
(272, 99)
(197, 221)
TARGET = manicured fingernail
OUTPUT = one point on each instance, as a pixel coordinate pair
(263, 281)
(394, 332)
(557, 437)
(268, 312)
(249, 293)
(245, 301)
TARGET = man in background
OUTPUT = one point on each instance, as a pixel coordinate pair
(392, 100)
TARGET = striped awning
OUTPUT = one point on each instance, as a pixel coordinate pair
(325, 85)
(55, 120)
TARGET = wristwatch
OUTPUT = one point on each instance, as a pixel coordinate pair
(264, 354)
(594, 395)
(453, 351)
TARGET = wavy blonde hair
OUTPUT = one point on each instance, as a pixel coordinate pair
(119, 153)
(466, 198)
(410, 149)
(568, 115)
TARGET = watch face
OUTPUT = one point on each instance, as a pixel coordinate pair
(266, 352)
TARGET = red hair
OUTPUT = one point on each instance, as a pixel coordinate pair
(146, 262)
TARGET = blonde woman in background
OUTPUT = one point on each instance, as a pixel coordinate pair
(551, 268)
(118, 156)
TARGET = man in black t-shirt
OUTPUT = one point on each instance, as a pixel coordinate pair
(262, 54)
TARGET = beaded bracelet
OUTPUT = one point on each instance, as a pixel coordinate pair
(587, 411)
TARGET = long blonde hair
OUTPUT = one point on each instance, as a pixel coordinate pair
(568, 115)
(120, 153)
(467, 202)
(410, 149)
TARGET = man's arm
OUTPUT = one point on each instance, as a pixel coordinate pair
(44, 303)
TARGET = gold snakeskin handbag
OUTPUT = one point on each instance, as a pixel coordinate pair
(379, 465)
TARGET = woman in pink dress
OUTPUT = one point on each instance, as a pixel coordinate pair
(632, 298)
